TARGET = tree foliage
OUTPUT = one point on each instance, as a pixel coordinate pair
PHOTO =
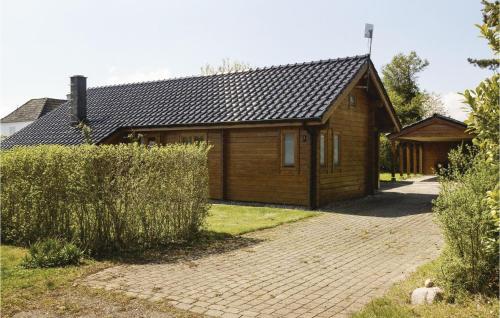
(400, 79)
(484, 118)
(401, 75)
(411, 103)
(468, 204)
(489, 31)
(432, 104)
(227, 66)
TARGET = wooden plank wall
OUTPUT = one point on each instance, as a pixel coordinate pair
(434, 153)
(353, 176)
(214, 137)
(253, 164)
(253, 161)
(254, 171)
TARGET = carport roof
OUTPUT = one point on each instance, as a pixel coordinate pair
(435, 128)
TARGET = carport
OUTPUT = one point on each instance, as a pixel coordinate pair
(421, 148)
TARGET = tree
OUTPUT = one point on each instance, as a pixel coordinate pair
(489, 31)
(227, 66)
(411, 103)
(433, 104)
(400, 80)
(484, 117)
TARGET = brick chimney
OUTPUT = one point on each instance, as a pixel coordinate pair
(78, 99)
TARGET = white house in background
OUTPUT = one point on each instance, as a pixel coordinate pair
(27, 113)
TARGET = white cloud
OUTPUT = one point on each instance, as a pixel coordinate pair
(454, 104)
(118, 77)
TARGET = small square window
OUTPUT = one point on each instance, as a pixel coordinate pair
(151, 141)
(190, 138)
(198, 139)
(352, 100)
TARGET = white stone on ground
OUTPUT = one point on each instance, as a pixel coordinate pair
(427, 294)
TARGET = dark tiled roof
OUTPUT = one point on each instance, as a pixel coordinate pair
(285, 93)
(32, 110)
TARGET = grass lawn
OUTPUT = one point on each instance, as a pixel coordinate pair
(237, 219)
(21, 286)
(52, 290)
(386, 176)
(395, 304)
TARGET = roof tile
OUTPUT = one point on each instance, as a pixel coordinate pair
(291, 92)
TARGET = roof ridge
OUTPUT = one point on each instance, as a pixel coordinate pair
(236, 72)
(18, 107)
(50, 98)
(435, 115)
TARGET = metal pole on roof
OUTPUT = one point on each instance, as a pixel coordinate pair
(369, 36)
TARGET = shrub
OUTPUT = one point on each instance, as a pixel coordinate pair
(385, 156)
(104, 198)
(468, 225)
(52, 253)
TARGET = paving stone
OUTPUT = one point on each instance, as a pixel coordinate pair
(330, 265)
(183, 306)
(214, 313)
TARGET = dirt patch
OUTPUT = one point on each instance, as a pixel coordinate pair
(75, 300)
(89, 303)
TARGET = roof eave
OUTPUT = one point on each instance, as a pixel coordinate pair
(310, 121)
(385, 97)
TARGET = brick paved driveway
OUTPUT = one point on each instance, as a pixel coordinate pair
(326, 266)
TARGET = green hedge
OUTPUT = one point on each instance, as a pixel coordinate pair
(104, 198)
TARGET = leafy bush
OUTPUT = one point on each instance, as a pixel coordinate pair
(104, 198)
(385, 156)
(52, 253)
(471, 261)
(468, 206)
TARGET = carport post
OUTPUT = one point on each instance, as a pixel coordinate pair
(421, 158)
(393, 161)
(401, 158)
(415, 158)
(408, 160)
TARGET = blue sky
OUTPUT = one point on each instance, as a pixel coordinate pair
(45, 42)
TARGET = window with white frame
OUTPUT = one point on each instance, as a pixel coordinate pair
(336, 149)
(322, 149)
(289, 149)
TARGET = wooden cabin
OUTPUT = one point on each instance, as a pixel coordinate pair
(301, 134)
(421, 148)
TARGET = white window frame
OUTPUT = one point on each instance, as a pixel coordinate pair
(322, 149)
(336, 145)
